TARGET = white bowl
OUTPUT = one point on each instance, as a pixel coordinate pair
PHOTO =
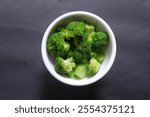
(100, 25)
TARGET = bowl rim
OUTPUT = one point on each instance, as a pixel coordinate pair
(71, 81)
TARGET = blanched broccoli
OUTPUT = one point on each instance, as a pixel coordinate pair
(98, 56)
(77, 40)
(78, 49)
(88, 30)
(78, 57)
(70, 53)
(57, 45)
(68, 34)
(81, 71)
(93, 66)
(83, 52)
(77, 28)
(52, 42)
(100, 40)
(71, 74)
(64, 66)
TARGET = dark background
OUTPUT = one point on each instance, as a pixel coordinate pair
(22, 71)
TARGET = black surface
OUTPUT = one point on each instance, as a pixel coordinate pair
(22, 71)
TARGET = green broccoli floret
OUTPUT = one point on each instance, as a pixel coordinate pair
(52, 42)
(70, 53)
(85, 49)
(78, 57)
(93, 66)
(63, 49)
(64, 66)
(98, 56)
(77, 28)
(68, 34)
(57, 45)
(83, 52)
(77, 41)
(88, 30)
(100, 40)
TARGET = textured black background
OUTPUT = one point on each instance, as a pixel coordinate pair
(22, 71)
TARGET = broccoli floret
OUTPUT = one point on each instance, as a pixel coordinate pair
(81, 71)
(83, 53)
(85, 49)
(53, 42)
(77, 41)
(70, 53)
(57, 45)
(63, 49)
(93, 66)
(78, 57)
(100, 40)
(64, 66)
(77, 28)
(88, 30)
(68, 34)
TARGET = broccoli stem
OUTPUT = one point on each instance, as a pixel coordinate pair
(71, 74)
(81, 71)
(100, 57)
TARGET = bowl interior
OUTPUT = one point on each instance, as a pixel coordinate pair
(100, 25)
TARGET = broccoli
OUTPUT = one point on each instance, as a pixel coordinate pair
(98, 56)
(78, 49)
(64, 66)
(100, 41)
(88, 30)
(77, 41)
(57, 45)
(87, 69)
(70, 53)
(81, 71)
(93, 66)
(68, 34)
(63, 49)
(77, 28)
(82, 53)
(71, 74)
(78, 57)
(85, 49)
